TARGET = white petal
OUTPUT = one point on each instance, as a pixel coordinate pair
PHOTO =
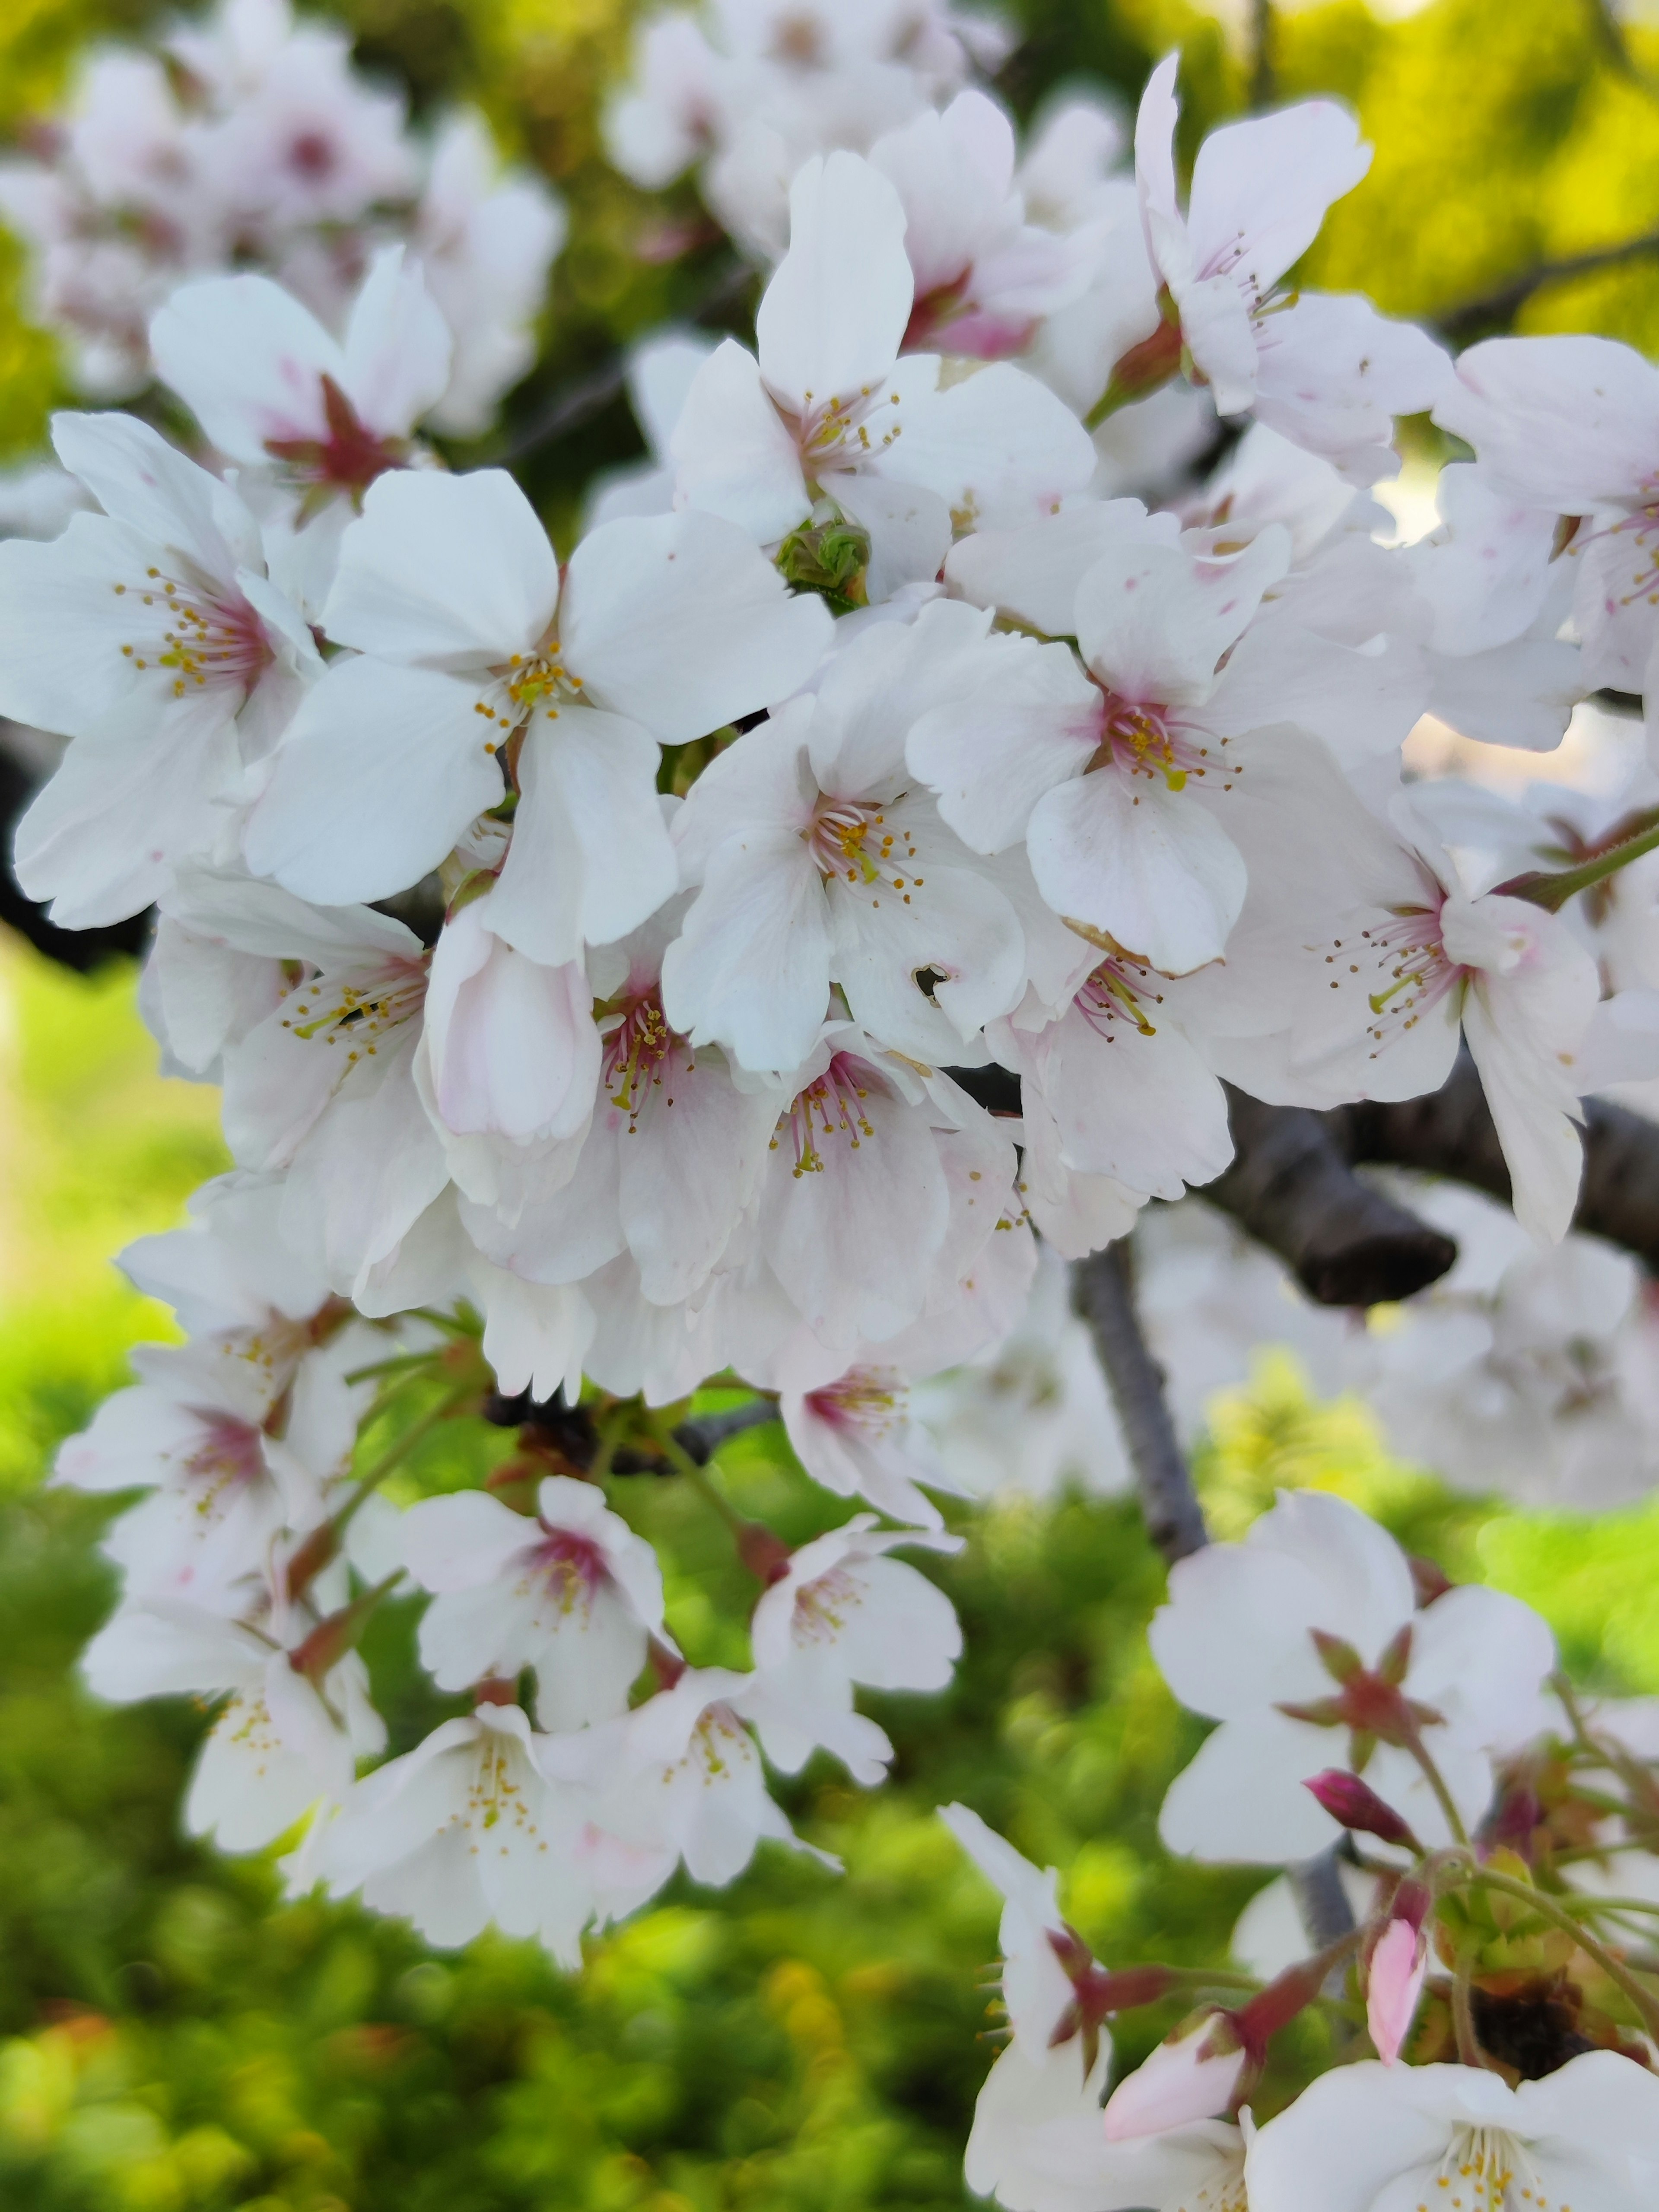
(590, 858)
(1146, 864)
(734, 455)
(834, 314)
(449, 572)
(248, 361)
(382, 768)
(678, 622)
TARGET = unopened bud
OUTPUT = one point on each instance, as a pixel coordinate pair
(1193, 2077)
(1393, 1983)
(764, 1555)
(317, 1551)
(1356, 1805)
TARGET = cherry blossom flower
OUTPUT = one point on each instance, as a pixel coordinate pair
(279, 1744)
(448, 587)
(1315, 1612)
(323, 1086)
(815, 861)
(843, 1612)
(825, 407)
(1327, 371)
(1367, 2134)
(152, 636)
(572, 1593)
(1565, 425)
(463, 1832)
(983, 274)
(273, 389)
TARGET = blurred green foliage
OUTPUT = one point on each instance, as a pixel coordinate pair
(172, 2038)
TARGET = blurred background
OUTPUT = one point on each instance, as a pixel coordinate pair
(174, 2040)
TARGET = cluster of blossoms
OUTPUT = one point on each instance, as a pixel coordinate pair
(249, 142)
(607, 962)
(1496, 1838)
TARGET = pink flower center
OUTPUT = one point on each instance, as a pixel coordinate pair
(204, 634)
(571, 1567)
(1110, 998)
(867, 1402)
(1139, 738)
(822, 1608)
(231, 1452)
(829, 1111)
(643, 1055)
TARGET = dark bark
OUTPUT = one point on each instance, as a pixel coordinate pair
(1103, 1296)
(1292, 1186)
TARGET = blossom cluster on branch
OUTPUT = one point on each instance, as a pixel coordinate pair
(998, 668)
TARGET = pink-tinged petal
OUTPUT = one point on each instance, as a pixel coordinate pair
(733, 454)
(248, 360)
(1565, 423)
(1148, 865)
(677, 621)
(1260, 188)
(835, 313)
(1393, 1983)
(686, 1176)
(1152, 621)
(511, 1044)
(446, 572)
(1183, 2080)
(1332, 373)
(382, 770)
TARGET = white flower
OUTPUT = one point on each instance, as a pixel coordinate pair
(1105, 768)
(1568, 425)
(825, 406)
(662, 630)
(1238, 1642)
(271, 387)
(677, 1778)
(281, 1741)
(323, 1086)
(572, 1593)
(670, 1160)
(1375, 1011)
(857, 1436)
(983, 274)
(1327, 371)
(462, 1832)
(880, 1191)
(1583, 2139)
(151, 635)
(843, 1612)
(815, 861)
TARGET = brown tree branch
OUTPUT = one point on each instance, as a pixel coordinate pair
(1103, 1295)
(1292, 1186)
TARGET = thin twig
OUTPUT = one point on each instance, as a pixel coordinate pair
(578, 402)
(1499, 305)
(1102, 1294)
(702, 1438)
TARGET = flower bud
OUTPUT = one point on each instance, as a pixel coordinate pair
(1394, 1984)
(1356, 1805)
(1191, 2077)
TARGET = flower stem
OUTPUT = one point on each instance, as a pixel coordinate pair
(1553, 889)
(1437, 1782)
